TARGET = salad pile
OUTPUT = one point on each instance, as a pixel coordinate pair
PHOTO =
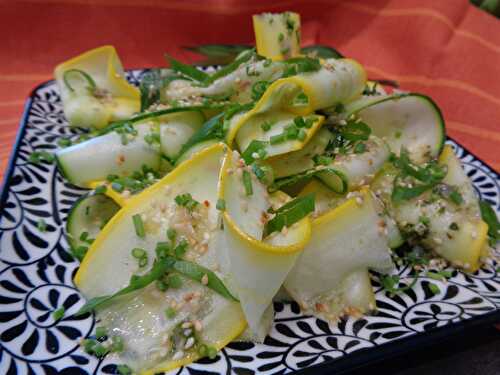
(285, 174)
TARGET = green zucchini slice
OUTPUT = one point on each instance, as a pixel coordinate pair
(413, 121)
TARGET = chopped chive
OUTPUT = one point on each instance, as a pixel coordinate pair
(299, 122)
(454, 226)
(111, 177)
(138, 253)
(162, 249)
(143, 262)
(80, 252)
(88, 345)
(278, 138)
(170, 313)
(266, 126)
(139, 226)
(221, 205)
(181, 249)
(124, 370)
(424, 220)
(310, 122)
(359, 148)
(117, 344)
(434, 288)
(116, 186)
(292, 132)
(186, 200)
(398, 134)
(247, 183)
(59, 313)
(174, 281)
(171, 234)
(100, 332)
(39, 156)
(203, 350)
(281, 36)
(456, 197)
(41, 225)
(322, 160)
(91, 83)
(301, 136)
(64, 142)
(100, 350)
(211, 352)
(84, 236)
(101, 189)
(161, 285)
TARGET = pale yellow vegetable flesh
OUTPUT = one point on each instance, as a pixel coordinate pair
(277, 35)
(120, 100)
(257, 267)
(140, 318)
(345, 241)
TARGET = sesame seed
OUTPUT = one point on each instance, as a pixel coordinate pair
(437, 240)
(187, 325)
(188, 332)
(178, 355)
(198, 326)
(359, 201)
(189, 343)
(204, 279)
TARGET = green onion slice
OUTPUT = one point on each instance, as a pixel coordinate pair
(136, 282)
(139, 226)
(290, 213)
(196, 272)
(66, 78)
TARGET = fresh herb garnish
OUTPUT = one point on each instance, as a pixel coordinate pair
(247, 182)
(59, 313)
(90, 81)
(298, 65)
(160, 267)
(290, 213)
(187, 201)
(37, 157)
(139, 226)
(41, 225)
(422, 178)
(221, 205)
(258, 89)
(243, 58)
(390, 283)
(187, 70)
(490, 217)
(196, 272)
(355, 131)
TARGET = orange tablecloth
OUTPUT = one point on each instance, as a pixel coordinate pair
(447, 49)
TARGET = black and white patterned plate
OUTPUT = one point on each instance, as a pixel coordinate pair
(36, 273)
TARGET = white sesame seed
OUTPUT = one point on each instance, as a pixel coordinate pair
(187, 325)
(178, 355)
(188, 332)
(198, 326)
(189, 343)
(204, 279)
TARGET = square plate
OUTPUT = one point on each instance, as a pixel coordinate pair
(36, 273)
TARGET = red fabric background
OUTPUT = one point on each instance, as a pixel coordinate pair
(447, 49)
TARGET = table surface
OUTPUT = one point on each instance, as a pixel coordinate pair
(446, 49)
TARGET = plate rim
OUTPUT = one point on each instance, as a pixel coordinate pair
(347, 363)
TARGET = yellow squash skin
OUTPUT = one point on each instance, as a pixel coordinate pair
(105, 67)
